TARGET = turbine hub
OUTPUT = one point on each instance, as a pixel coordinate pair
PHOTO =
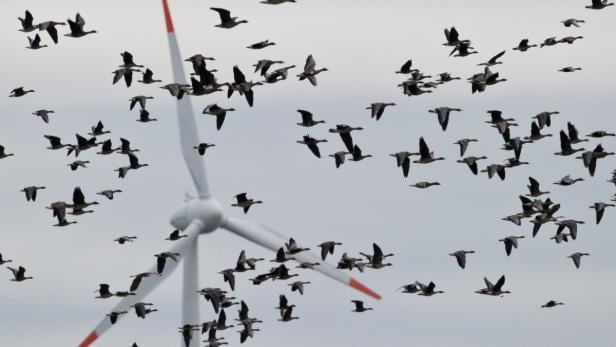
(208, 211)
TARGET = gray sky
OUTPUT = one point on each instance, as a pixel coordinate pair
(361, 43)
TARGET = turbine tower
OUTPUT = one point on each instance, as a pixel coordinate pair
(203, 215)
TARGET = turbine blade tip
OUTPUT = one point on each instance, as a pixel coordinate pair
(362, 288)
(89, 339)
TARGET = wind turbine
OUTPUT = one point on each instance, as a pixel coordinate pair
(203, 215)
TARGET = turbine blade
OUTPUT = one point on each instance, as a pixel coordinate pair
(189, 137)
(272, 240)
(182, 247)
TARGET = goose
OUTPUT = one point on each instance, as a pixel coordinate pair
(375, 260)
(599, 4)
(244, 264)
(126, 73)
(577, 258)
(426, 156)
(245, 203)
(261, 44)
(98, 129)
(245, 333)
(551, 304)
(279, 74)
(570, 39)
(35, 43)
(550, 41)
(55, 142)
(50, 27)
(443, 115)
(31, 192)
(523, 46)
(103, 291)
(558, 238)
(472, 163)
(83, 144)
(494, 60)
(540, 220)
(514, 162)
(463, 49)
(4, 261)
(345, 134)
(493, 289)
(405, 69)
(281, 256)
(535, 133)
(125, 147)
(208, 87)
(359, 306)
(221, 322)
(79, 200)
(461, 257)
(226, 21)
(339, 158)
(428, 290)
(106, 148)
(62, 222)
(491, 78)
(424, 185)
(141, 99)
(412, 288)
(197, 60)
(377, 109)
(281, 273)
(293, 247)
(347, 262)
(308, 119)
(312, 144)
(446, 77)
(264, 65)
(570, 69)
(175, 235)
(142, 310)
(545, 118)
(570, 224)
(134, 165)
(27, 23)
(78, 163)
(19, 274)
(356, 154)
(114, 315)
(283, 304)
(186, 330)
(328, 247)
(59, 208)
(76, 27)
(298, 286)
(147, 77)
(242, 86)
(229, 277)
(565, 145)
(161, 259)
(109, 193)
(403, 160)
(144, 117)
(202, 147)
(310, 71)
(452, 36)
(124, 239)
(590, 158)
(534, 189)
(510, 243)
(599, 208)
(568, 181)
(463, 143)
(411, 88)
(572, 21)
(219, 112)
(276, 2)
(19, 92)
(600, 133)
(128, 61)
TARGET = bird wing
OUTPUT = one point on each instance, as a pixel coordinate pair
(238, 75)
(310, 64)
(225, 15)
(424, 151)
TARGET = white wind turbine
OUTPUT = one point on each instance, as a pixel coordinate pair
(203, 215)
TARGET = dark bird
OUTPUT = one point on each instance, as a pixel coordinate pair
(494, 60)
(523, 46)
(138, 278)
(175, 235)
(403, 160)
(126, 73)
(218, 112)
(567, 181)
(359, 306)
(599, 208)
(31, 192)
(20, 91)
(405, 69)
(534, 189)
(109, 193)
(148, 77)
(312, 144)
(141, 99)
(261, 44)
(245, 203)
(443, 115)
(424, 184)
(27, 23)
(308, 119)
(377, 109)
(328, 247)
(452, 36)
(570, 69)
(76, 27)
(494, 289)
(19, 274)
(229, 277)
(161, 259)
(375, 260)
(471, 162)
(356, 154)
(565, 145)
(50, 27)
(35, 43)
(44, 114)
(461, 257)
(202, 147)
(298, 286)
(114, 315)
(510, 243)
(426, 156)
(124, 239)
(428, 290)
(142, 310)
(572, 21)
(551, 304)
(599, 4)
(463, 143)
(144, 116)
(4, 261)
(226, 21)
(577, 258)
(310, 71)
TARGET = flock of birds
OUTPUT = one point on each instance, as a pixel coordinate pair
(203, 82)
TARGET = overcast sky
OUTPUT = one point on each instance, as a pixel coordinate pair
(362, 43)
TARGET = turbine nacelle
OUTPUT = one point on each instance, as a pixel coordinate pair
(208, 211)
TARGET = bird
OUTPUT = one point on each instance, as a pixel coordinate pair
(452, 36)
(375, 260)
(550, 41)
(242, 86)
(545, 118)
(599, 4)
(426, 156)
(359, 306)
(175, 235)
(125, 147)
(245, 203)
(308, 119)
(534, 189)
(19, 92)
(144, 116)
(590, 158)
(202, 147)
(98, 129)
(4, 261)
(141, 309)
(572, 21)
(109, 193)
(570, 69)
(55, 142)
(535, 133)
(229, 277)
(312, 144)
(461, 257)
(600, 133)
(126, 73)
(261, 44)
(27, 23)
(79, 200)
(510, 243)
(128, 61)
(428, 290)
(493, 289)
(412, 288)
(44, 114)
(124, 239)
(339, 157)
(577, 258)
(19, 274)
(495, 169)
(141, 99)
(599, 208)
(494, 60)
(76, 27)
(138, 278)
(276, 2)
(114, 315)
(103, 291)
(298, 286)
(50, 27)
(219, 112)
(567, 181)
(463, 143)
(31, 192)
(523, 46)
(79, 163)
(403, 160)
(328, 247)
(356, 154)
(565, 145)
(471, 162)
(424, 185)
(35, 43)
(463, 49)
(161, 259)
(147, 77)
(310, 71)
(377, 109)
(551, 304)
(443, 115)
(345, 134)
(570, 39)
(226, 21)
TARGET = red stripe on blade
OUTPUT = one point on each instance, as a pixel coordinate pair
(89, 339)
(362, 288)
(168, 20)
